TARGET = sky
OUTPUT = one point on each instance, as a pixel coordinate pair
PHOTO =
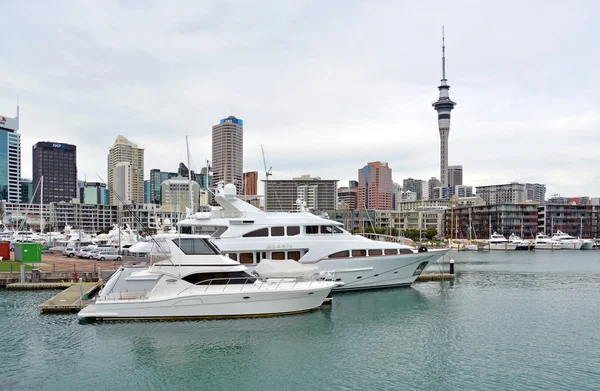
(324, 86)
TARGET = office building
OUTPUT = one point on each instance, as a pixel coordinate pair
(147, 192)
(455, 176)
(251, 183)
(10, 158)
(157, 177)
(228, 152)
(57, 164)
(353, 184)
(124, 151)
(444, 105)
(95, 193)
(121, 184)
(414, 185)
(396, 194)
(536, 192)
(433, 182)
(26, 190)
(375, 188)
(317, 194)
(175, 193)
(347, 197)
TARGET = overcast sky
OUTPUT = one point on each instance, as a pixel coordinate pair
(325, 86)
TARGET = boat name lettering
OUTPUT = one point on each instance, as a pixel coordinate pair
(278, 246)
(171, 281)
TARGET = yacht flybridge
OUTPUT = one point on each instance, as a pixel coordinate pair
(567, 242)
(248, 236)
(190, 278)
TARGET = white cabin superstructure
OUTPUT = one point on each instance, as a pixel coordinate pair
(248, 235)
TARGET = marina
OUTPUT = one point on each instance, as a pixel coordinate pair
(518, 311)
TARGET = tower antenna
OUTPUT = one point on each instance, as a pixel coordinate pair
(443, 55)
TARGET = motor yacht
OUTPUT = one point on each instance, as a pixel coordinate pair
(190, 278)
(248, 235)
(567, 242)
(499, 242)
(522, 245)
(544, 242)
(587, 244)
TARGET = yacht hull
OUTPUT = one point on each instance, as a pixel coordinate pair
(587, 245)
(502, 246)
(378, 272)
(196, 304)
(571, 245)
(547, 246)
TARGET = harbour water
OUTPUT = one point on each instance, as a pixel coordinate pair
(509, 321)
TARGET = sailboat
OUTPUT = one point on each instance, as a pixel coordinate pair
(471, 246)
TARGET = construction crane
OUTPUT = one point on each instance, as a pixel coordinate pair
(268, 172)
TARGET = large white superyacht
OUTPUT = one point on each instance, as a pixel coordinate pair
(249, 235)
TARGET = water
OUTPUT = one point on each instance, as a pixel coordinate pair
(525, 321)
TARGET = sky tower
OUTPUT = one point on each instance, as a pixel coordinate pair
(444, 106)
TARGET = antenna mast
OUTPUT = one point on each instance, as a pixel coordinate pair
(268, 172)
(187, 147)
(443, 56)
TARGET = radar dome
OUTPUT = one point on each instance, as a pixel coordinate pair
(229, 189)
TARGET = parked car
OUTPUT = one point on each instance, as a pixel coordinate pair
(86, 253)
(69, 252)
(106, 256)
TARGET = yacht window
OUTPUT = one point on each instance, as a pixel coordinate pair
(260, 256)
(277, 231)
(337, 230)
(185, 230)
(293, 231)
(195, 246)
(326, 229)
(312, 229)
(278, 255)
(375, 252)
(359, 253)
(219, 278)
(390, 251)
(406, 251)
(233, 256)
(258, 233)
(295, 255)
(340, 254)
(247, 258)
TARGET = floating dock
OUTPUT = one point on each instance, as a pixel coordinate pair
(435, 277)
(25, 286)
(69, 300)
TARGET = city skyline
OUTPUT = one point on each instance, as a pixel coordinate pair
(329, 82)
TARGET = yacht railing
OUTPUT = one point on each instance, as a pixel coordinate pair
(253, 280)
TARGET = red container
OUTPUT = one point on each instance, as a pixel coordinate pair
(5, 250)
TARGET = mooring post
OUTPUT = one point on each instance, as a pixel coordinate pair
(22, 273)
(81, 291)
(452, 266)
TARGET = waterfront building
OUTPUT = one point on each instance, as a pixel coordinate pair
(228, 152)
(175, 194)
(348, 196)
(26, 190)
(460, 191)
(124, 151)
(423, 204)
(251, 183)
(579, 220)
(504, 219)
(511, 193)
(375, 186)
(556, 199)
(10, 158)
(318, 194)
(414, 185)
(455, 176)
(57, 164)
(444, 105)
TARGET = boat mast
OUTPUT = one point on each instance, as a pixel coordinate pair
(521, 225)
(41, 204)
(490, 225)
(187, 146)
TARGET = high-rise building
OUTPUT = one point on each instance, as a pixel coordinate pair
(10, 158)
(147, 192)
(121, 184)
(455, 176)
(509, 193)
(397, 194)
(26, 190)
(94, 193)
(176, 194)
(375, 188)
(348, 196)
(432, 183)
(251, 183)
(444, 105)
(124, 150)
(536, 192)
(157, 177)
(316, 193)
(414, 185)
(228, 152)
(57, 164)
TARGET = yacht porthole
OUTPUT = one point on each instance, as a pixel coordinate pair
(311, 293)
(359, 277)
(246, 297)
(395, 272)
(375, 275)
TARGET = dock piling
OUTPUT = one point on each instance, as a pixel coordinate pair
(452, 266)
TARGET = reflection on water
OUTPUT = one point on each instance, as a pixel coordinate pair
(508, 321)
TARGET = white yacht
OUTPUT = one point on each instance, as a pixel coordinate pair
(249, 235)
(522, 245)
(567, 242)
(544, 242)
(499, 242)
(190, 278)
(587, 244)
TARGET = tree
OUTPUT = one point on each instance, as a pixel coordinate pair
(430, 233)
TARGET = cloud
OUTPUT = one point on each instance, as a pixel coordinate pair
(324, 86)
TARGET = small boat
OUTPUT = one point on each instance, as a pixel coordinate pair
(499, 242)
(544, 242)
(191, 278)
(522, 245)
(471, 247)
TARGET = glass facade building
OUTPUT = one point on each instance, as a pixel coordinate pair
(10, 159)
(57, 163)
